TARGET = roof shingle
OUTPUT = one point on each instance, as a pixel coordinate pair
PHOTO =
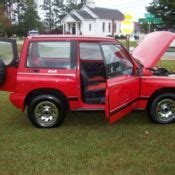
(104, 13)
(75, 17)
(84, 14)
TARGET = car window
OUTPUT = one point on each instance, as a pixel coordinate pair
(116, 60)
(90, 51)
(6, 52)
(49, 55)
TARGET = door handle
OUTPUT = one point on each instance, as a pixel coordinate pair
(36, 71)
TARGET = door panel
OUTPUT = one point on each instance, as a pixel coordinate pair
(122, 94)
(9, 56)
(123, 86)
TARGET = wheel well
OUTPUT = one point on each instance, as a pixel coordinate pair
(47, 91)
(157, 93)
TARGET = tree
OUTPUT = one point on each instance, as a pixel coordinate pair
(164, 9)
(4, 21)
(19, 11)
(55, 10)
(71, 5)
(49, 17)
(83, 2)
(31, 19)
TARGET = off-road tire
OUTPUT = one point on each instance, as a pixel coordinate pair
(47, 99)
(159, 101)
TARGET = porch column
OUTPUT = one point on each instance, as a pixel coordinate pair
(76, 28)
(63, 28)
(66, 27)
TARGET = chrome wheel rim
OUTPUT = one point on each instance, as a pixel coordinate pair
(165, 110)
(46, 113)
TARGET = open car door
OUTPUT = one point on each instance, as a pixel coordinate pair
(8, 64)
(123, 86)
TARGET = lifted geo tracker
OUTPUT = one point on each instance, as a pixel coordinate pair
(59, 73)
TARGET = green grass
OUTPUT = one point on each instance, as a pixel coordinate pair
(170, 65)
(85, 144)
(132, 43)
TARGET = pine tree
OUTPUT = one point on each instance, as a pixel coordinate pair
(19, 11)
(49, 17)
(31, 20)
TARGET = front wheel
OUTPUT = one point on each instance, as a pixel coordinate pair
(162, 109)
(46, 111)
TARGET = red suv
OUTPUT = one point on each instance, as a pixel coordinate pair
(59, 73)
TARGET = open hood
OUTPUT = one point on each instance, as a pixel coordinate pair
(153, 47)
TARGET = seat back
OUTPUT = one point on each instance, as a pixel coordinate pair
(84, 78)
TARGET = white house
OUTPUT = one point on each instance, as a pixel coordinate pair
(91, 20)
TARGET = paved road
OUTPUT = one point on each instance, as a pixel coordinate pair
(169, 56)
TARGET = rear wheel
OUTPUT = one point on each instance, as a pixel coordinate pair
(162, 109)
(46, 111)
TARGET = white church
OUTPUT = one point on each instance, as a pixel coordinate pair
(92, 20)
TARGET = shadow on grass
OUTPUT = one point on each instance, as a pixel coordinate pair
(82, 119)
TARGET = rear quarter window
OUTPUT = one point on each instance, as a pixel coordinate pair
(52, 54)
(6, 52)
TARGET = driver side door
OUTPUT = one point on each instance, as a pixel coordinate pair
(123, 85)
(9, 64)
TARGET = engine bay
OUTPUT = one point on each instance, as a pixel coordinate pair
(159, 71)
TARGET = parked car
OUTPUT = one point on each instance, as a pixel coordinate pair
(59, 73)
(33, 32)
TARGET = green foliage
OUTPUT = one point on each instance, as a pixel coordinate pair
(53, 11)
(165, 10)
(31, 19)
(4, 21)
(71, 5)
(49, 19)
(19, 11)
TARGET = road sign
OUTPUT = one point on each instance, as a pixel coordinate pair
(149, 15)
(149, 20)
(127, 26)
(157, 20)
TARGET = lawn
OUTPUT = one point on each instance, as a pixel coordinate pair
(85, 144)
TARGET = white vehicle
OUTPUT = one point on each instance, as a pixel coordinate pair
(33, 32)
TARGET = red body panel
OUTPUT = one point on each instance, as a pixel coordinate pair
(123, 93)
(10, 82)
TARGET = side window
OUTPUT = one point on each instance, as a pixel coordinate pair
(6, 52)
(90, 51)
(49, 55)
(117, 62)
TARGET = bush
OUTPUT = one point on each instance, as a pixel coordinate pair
(120, 37)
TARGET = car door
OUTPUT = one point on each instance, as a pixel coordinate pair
(8, 64)
(123, 85)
